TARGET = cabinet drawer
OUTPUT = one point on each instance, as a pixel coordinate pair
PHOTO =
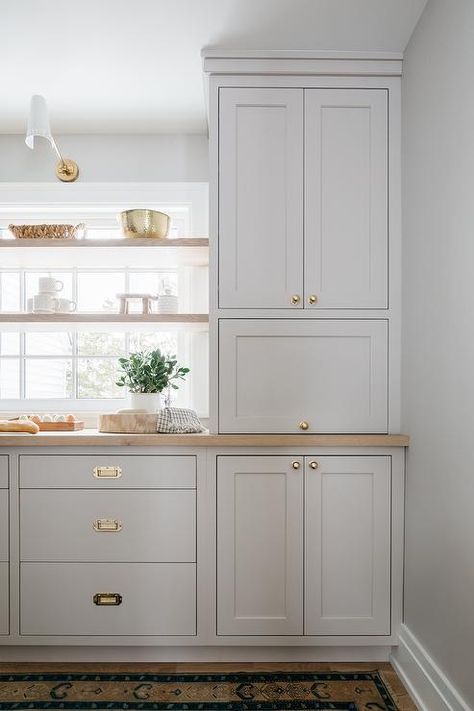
(4, 598)
(112, 526)
(155, 599)
(4, 525)
(277, 373)
(3, 472)
(107, 471)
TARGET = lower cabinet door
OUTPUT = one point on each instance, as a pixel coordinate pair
(260, 545)
(4, 598)
(4, 525)
(303, 375)
(347, 545)
(108, 599)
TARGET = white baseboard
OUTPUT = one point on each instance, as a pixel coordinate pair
(194, 654)
(430, 689)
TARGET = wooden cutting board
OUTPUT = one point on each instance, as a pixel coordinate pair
(128, 422)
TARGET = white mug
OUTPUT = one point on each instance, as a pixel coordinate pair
(48, 285)
(44, 303)
(65, 306)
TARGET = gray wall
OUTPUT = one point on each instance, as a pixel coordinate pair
(103, 158)
(438, 338)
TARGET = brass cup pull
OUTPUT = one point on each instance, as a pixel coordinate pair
(295, 464)
(107, 525)
(107, 599)
(313, 465)
(312, 299)
(295, 299)
(107, 472)
(303, 425)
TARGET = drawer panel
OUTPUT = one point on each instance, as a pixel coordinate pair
(3, 471)
(107, 471)
(153, 526)
(4, 598)
(156, 599)
(4, 525)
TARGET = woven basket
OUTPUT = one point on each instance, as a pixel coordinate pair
(47, 231)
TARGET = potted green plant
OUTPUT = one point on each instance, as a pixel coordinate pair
(146, 374)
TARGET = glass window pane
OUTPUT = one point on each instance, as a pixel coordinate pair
(48, 343)
(96, 378)
(10, 291)
(167, 342)
(9, 378)
(100, 344)
(97, 291)
(48, 378)
(32, 283)
(9, 343)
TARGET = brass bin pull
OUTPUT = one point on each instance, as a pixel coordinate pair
(107, 599)
(107, 525)
(107, 472)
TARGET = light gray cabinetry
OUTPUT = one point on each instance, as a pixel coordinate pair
(4, 546)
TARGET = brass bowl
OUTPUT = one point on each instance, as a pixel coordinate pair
(145, 223)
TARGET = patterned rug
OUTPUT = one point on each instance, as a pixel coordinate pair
(340, 691)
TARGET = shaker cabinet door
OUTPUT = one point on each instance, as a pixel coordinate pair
(260, 198)
(346, 208)
(260, 545)
(347, 545)
(295, 376)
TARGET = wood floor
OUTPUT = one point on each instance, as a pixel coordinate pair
(390, 677)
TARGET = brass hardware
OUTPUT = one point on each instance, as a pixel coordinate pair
(107, 599)
(312, 299)
(145, 223)
(67, 170)
(303, 425)
(107, 525)
(295, 465)
(313, 465)
(107, 472)
(295, 299)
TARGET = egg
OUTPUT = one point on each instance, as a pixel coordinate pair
(59, 418)
(70, 418)
(47, 418)
(35, 418)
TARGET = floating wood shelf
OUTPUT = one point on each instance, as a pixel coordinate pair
(124, 242)
(102, 318)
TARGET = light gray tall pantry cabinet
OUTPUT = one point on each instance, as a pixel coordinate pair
(305, 338)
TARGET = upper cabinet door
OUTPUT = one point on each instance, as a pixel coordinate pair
(346, 205)
(261, 198)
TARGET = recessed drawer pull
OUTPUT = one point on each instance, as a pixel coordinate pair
(107, 472)
(107, 525)
(107, 599)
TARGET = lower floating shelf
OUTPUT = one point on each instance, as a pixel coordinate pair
(102, 318)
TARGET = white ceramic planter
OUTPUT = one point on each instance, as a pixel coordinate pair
(146, 402)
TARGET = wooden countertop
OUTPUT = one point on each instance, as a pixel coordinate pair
(92, 438)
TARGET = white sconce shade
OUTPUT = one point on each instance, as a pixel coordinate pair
(38, 125)
(38, 121)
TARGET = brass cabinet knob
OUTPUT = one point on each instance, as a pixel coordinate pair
(295, 464)
(303, 425)
(312, 299)
(313, 465)
(295, 299)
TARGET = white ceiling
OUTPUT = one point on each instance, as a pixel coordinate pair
(134, 66)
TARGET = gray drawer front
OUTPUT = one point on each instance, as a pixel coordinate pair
(3, 471)
(4, 598)
(108, 526)
(136, 471)
(157, 599)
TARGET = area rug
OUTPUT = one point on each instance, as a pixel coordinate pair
(339, 691)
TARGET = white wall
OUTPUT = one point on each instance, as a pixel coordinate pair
(438, 346)
(103, 158)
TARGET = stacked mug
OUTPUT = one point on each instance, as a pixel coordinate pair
(47, 301)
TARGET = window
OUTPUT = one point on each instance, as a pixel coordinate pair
(72, 366)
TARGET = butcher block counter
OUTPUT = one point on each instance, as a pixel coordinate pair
(91, 438)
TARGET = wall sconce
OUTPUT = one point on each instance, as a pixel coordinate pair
(38, 125)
